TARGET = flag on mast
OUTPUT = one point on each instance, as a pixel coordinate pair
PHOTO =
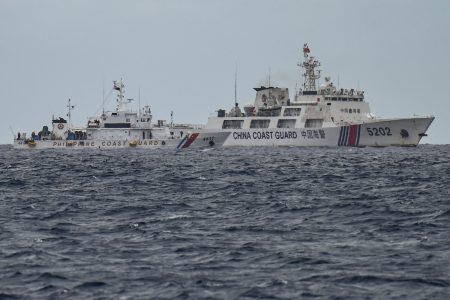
(305, 48)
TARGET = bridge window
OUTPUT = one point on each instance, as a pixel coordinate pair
(292, 111)
(286, 123)
(313, 123)
(260, 123)
(232, 124)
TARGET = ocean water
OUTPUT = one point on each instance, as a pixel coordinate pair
(237, 223)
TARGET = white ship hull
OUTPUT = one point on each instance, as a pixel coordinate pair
(195, 140)
(379, 133)
(318, 115)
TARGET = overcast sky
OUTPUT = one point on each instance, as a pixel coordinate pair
(182, 55)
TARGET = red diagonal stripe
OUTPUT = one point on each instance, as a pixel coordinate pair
(190, 140)
(352, 135)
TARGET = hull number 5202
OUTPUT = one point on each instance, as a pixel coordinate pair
(380, 131)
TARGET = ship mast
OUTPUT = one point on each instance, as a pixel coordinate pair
(121, 104)
(309, 64)
(235, 86)
(69, 114)
(269, 83)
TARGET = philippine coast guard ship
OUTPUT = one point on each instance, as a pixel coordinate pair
(121, 128)
(323, 116)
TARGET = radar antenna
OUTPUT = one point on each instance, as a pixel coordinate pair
(309, 64)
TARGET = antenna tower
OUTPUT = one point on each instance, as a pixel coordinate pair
(69, 114)
(235, 86)
(119, 86)
(309, 64)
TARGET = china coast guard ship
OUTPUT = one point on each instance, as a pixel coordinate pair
(324, 116)
(121, 128)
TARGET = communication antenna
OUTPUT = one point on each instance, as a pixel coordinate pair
(139, 101)
(121, 104)
(12, 131)
(103, 96)
(309, 65)
(235, 86)
(269, 87)
(69, 114)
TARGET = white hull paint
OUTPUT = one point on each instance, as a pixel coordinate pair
(379, 133)
(195, 140)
